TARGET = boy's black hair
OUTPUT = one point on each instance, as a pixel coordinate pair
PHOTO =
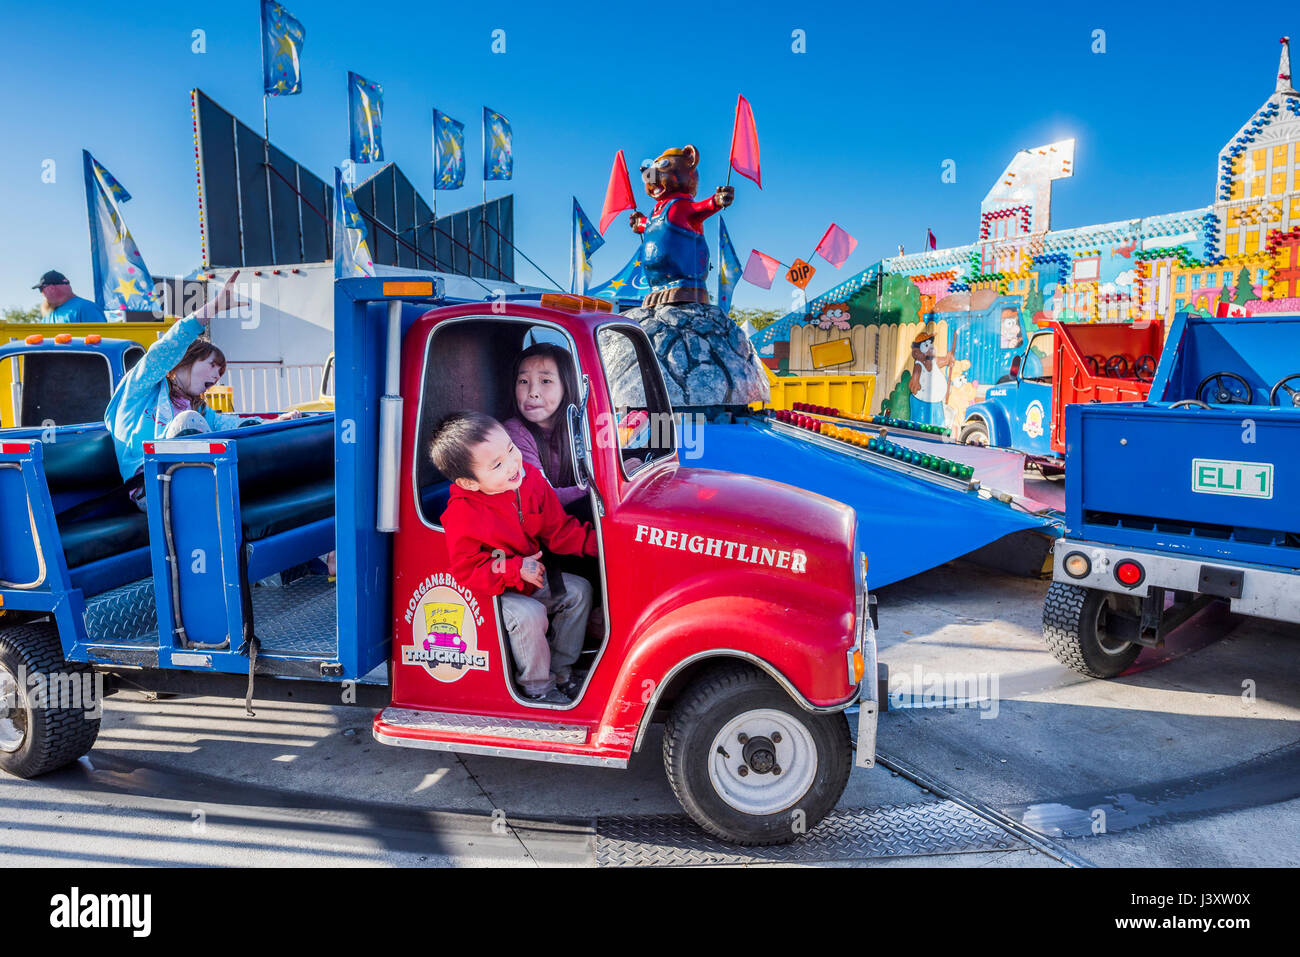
(453, 438)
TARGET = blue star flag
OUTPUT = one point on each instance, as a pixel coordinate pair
(728, 270)
(122, 280)
(365, 111)
(448, 152)
(282, 37)
(498, 157)
(628, 283)
(351, 252)
(586, 240)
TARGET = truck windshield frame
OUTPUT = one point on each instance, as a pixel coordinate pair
(657, 404)
(527, 322)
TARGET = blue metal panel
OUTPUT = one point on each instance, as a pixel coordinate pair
(108, 573)
(278, 552)
(1133, 477)
(1261, 349)
(33, 571)
(364, 556)
(196, 493)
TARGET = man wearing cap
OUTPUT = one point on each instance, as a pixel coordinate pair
(63, 305)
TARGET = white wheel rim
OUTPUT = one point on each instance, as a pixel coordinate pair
(1114, 647)
(13, 713)
(771, 735)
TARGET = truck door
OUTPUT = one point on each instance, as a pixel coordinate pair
(1032, 429)
(449, 647)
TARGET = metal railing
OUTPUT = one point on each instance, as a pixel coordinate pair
(272, 386)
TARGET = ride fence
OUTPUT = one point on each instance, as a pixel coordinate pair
(272, 386)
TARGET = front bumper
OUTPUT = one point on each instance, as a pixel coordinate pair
(868, 688)
(1262, 591)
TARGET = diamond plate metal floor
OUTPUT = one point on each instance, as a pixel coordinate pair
(900, 830)
(123, 616)
(300, 618)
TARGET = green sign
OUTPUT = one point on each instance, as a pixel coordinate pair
(1248, 479)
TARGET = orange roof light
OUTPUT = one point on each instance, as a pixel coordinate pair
(35, 339)
(571, 303)
(63, 338)
(94, 339)
(416, 289)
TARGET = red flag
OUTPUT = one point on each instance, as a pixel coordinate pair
(930, 240)
(618, 194)
(744, 143)
(760, 270)
(836, 246)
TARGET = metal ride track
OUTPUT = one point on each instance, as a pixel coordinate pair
(951, 823)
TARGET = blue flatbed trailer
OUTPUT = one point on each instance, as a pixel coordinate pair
(1190, 497)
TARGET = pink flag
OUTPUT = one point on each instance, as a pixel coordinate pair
(760, 270)
(618, 194)
(930, 241)
(836, 246)
(744, 143)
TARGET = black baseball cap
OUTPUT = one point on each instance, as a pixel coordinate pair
(51, 278)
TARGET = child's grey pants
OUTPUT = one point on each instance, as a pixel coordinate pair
(540, 664)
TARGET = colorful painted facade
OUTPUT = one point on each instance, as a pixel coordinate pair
(1242, 248)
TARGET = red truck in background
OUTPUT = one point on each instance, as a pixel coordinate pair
(1063, 364)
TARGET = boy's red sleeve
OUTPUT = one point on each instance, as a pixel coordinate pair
(561, 532)
(472, 561)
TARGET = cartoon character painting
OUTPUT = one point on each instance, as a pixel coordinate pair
(1012, 335)
(1034, 419)
(835, 315)
(928, 385)
(961, 393)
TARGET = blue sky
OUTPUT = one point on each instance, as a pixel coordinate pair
(853, 131)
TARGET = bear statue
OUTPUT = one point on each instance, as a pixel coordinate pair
(708, 364)
(675, 255)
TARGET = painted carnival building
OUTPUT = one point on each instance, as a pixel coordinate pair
(980, 301)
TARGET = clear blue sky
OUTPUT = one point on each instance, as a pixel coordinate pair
(854, 130)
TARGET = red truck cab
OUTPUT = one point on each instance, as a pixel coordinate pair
(733, 606)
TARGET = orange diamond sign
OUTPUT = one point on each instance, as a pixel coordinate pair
(800, 274)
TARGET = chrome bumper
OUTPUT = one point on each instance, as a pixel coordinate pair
(868, 693)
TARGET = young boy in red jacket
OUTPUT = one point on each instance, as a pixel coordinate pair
(498, 516)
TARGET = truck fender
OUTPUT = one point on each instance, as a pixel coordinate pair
(729, 627)
(994, 418)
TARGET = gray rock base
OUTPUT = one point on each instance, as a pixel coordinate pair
(705, 358)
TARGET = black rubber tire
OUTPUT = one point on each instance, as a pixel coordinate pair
(1071, 615)
(972, 428)
(697, 717)
(54, 736)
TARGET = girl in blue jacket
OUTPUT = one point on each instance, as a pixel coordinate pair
(162, 395)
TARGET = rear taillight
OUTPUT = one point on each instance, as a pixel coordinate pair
(1129, 573)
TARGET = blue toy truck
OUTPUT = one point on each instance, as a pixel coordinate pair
(1190, 497)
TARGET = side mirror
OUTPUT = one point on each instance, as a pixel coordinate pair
(1015, 367)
